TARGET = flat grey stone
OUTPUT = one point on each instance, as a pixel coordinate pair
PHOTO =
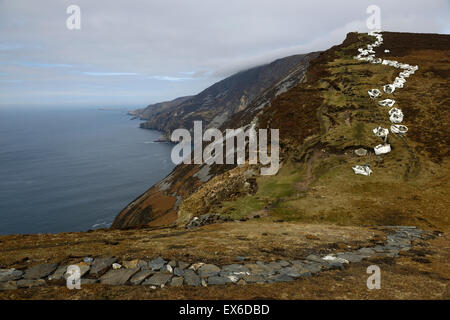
(275, 265)
(253, 278)
(101, 265)
(378, 249)
(143, 265)
(176, 282)
(336, 265)
(118, 276)
(217, 280)
(157, 264)
(29, 283)
(141, 276)
(260, 269)
(235, 268)
(366, 251)
(40, 271)
(361, 152)
(284, 263)
(178, 272)
(280, 278)
(8, 285)
(183, 265)
(351, 256)
(191, 278)
(208, 270)
(58, 274)
(313, 267)
(301, 271)
(158, 279)
(10, 274)
(295, 271)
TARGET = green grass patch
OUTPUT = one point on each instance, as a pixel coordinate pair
(241, 207)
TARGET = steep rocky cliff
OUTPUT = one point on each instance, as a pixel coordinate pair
(219, 102)
(324, 115)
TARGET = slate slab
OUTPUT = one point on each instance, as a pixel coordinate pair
(208, 270)
(157, 264)
(280, 278)
(118, 276)
(351, 256)
(191, 278)
(141, 276)
(183, 265)
(40, 271)
(158, 279)
(176, 282)
(101, 265)
(10, 274)
(214, 280)
(254, 278)
(178, 272)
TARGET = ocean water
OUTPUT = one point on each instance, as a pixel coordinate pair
(73, 169)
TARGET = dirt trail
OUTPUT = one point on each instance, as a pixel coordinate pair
(303, 185)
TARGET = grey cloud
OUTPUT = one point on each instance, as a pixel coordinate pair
(156, 50)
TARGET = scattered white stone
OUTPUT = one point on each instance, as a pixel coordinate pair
(361, 152)
(387, 51)
(395, 115)
(399, 129)
(169, 268)
(382, 149)
(116, 266)
(388, 88)
(374, 93)
(380, 132)
(364, 170)
(196, 266)
(334, 259)
(386, 103)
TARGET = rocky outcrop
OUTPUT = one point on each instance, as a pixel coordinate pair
(222, 100)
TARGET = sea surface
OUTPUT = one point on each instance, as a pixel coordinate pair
(73, 169)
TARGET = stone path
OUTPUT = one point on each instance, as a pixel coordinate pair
(158, 272)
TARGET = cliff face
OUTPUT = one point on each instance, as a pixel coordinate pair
(159, 205)
(219, 102)
(324, 114)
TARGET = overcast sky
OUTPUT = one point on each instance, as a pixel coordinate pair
(135, 52)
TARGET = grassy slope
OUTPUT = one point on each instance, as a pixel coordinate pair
(410, 185)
